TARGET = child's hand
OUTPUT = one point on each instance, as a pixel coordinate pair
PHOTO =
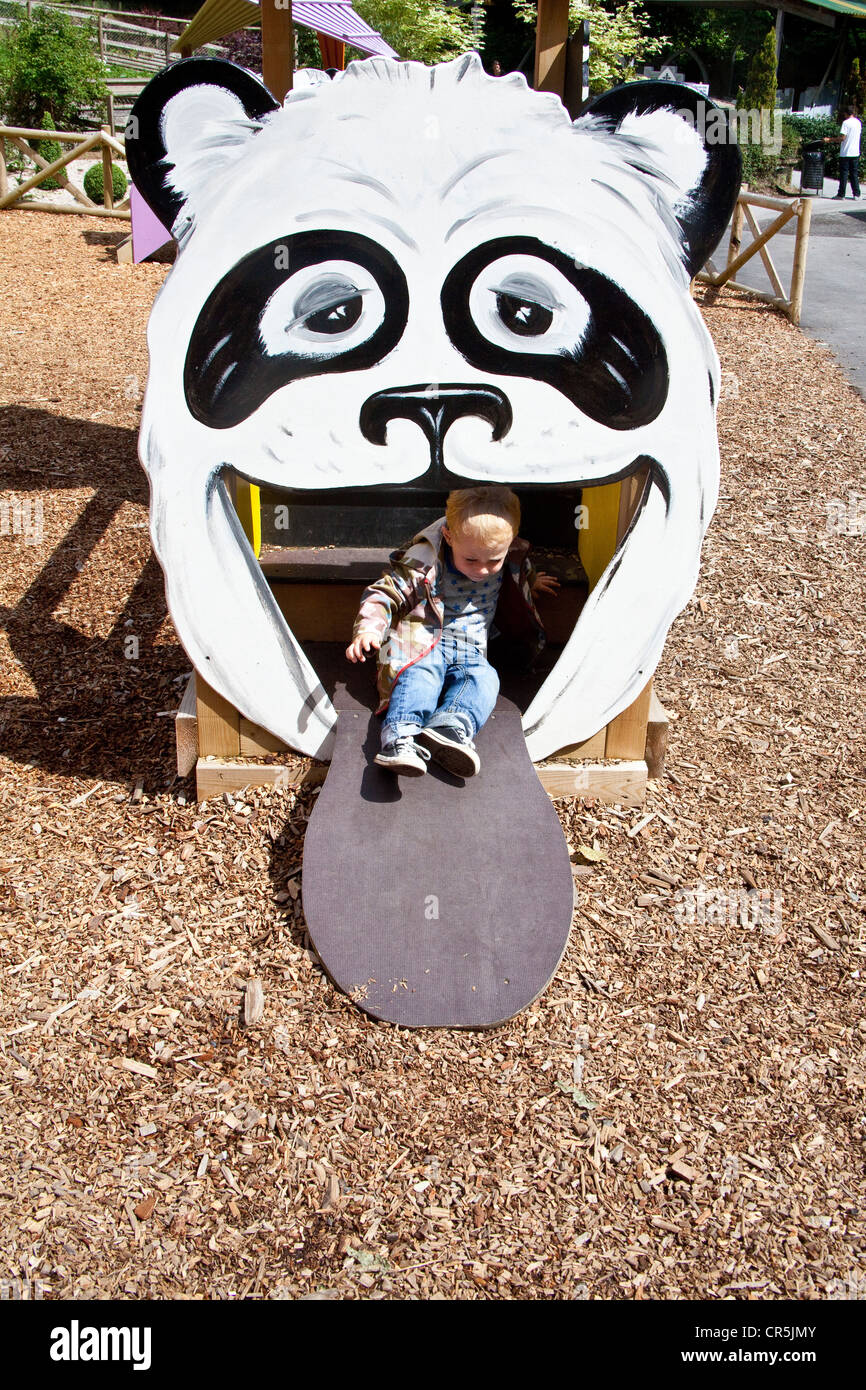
(364, 642)
(545, 583)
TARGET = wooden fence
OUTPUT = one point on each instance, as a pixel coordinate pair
(23, 138)
(787, 208)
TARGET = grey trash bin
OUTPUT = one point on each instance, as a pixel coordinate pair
(812, 169)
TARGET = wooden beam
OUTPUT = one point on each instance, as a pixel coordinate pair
(218, 722)
(551, 39)
(615, 783)
(186, 730)
(657, 728)
(626, 734)
(213, 776)
(278, 47)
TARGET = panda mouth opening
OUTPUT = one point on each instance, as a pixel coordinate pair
(319, 548)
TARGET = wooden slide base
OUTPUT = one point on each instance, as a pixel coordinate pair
(434, 902)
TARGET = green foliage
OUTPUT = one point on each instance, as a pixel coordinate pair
(760, 93)
(94, 185)
(620, 41)
(49, 150)
(421, 29)
(855, 87)
(49, 64)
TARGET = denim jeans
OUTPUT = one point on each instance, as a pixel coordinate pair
(442, 689)
(848, 169)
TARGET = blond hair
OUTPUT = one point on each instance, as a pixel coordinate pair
(484, 512)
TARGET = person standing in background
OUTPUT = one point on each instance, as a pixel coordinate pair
(849, 153)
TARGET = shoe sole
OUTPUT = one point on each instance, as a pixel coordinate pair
(449, 755)
(406, 769)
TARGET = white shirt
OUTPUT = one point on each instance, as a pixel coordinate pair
(850, 147)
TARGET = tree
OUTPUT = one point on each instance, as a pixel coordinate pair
(760, 93)
(48, 64)
(620, 41)
(421, 29)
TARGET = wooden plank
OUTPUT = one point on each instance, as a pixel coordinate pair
(255, 741)
(319, 612)
(626, 734)
(622, 784)
(186, 730)
(278, 47)
(765, 255)
(121, 213)
(578, 752)
(658, 724)
(4, 177)
(752, 250)
(218, 722)
(107, 181)
(213, 776)
(551, 39)
(125, 254)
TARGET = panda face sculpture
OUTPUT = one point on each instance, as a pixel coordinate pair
(413, 275)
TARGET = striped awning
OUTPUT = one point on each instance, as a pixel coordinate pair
(217, 18)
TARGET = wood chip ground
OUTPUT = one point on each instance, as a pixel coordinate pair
(190, 1109)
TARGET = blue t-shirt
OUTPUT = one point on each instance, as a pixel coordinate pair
(469, 608)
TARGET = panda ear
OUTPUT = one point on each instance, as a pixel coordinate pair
(708, 196)
(192, 118)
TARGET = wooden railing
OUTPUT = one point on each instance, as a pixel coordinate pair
(801, 208)
(23, 139)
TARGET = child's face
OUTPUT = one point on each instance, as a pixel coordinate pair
(474, 558)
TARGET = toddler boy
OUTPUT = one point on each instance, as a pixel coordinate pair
(429, 616)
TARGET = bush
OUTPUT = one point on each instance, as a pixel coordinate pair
(94, 185)
(760, 93)
(49, 64)
(49, 150)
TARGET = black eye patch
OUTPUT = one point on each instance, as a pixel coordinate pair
(617, 371)
(229, 372)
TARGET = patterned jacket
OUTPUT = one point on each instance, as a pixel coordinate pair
(404, 608)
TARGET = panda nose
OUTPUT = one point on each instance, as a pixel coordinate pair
(434, 408)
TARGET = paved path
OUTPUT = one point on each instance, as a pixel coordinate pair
(834, 299)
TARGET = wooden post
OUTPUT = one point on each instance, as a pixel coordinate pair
(107, 180)
(100, 29)
(278, 47)
(167, 49)
(801, 246)
(551, 38)
(4, 178)
(736, 232)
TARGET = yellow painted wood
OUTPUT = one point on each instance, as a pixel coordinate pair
(596, 542)
(248, 505)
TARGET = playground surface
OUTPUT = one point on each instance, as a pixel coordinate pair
(679, 1116)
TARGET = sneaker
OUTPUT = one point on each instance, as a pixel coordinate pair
(451, 750)
(404, 755)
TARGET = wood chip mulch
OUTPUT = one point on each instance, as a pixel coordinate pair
(190, 1110)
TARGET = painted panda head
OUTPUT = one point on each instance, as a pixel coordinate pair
(424, 276)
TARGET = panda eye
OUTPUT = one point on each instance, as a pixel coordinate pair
(522, 317)
(306, 304)
(321, 309)
(517, 307)
(336, 319)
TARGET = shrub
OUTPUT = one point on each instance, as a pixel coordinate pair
(49, 64)
(94, 186)
(760, 93)
(50, 150)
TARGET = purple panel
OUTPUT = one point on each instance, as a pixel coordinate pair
(148, 233)
(337, 18)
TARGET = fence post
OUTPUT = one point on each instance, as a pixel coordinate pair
(101, 32)
(4, 181)
(167, 49)
(107, 180)
(736, 231)
(801, 246)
